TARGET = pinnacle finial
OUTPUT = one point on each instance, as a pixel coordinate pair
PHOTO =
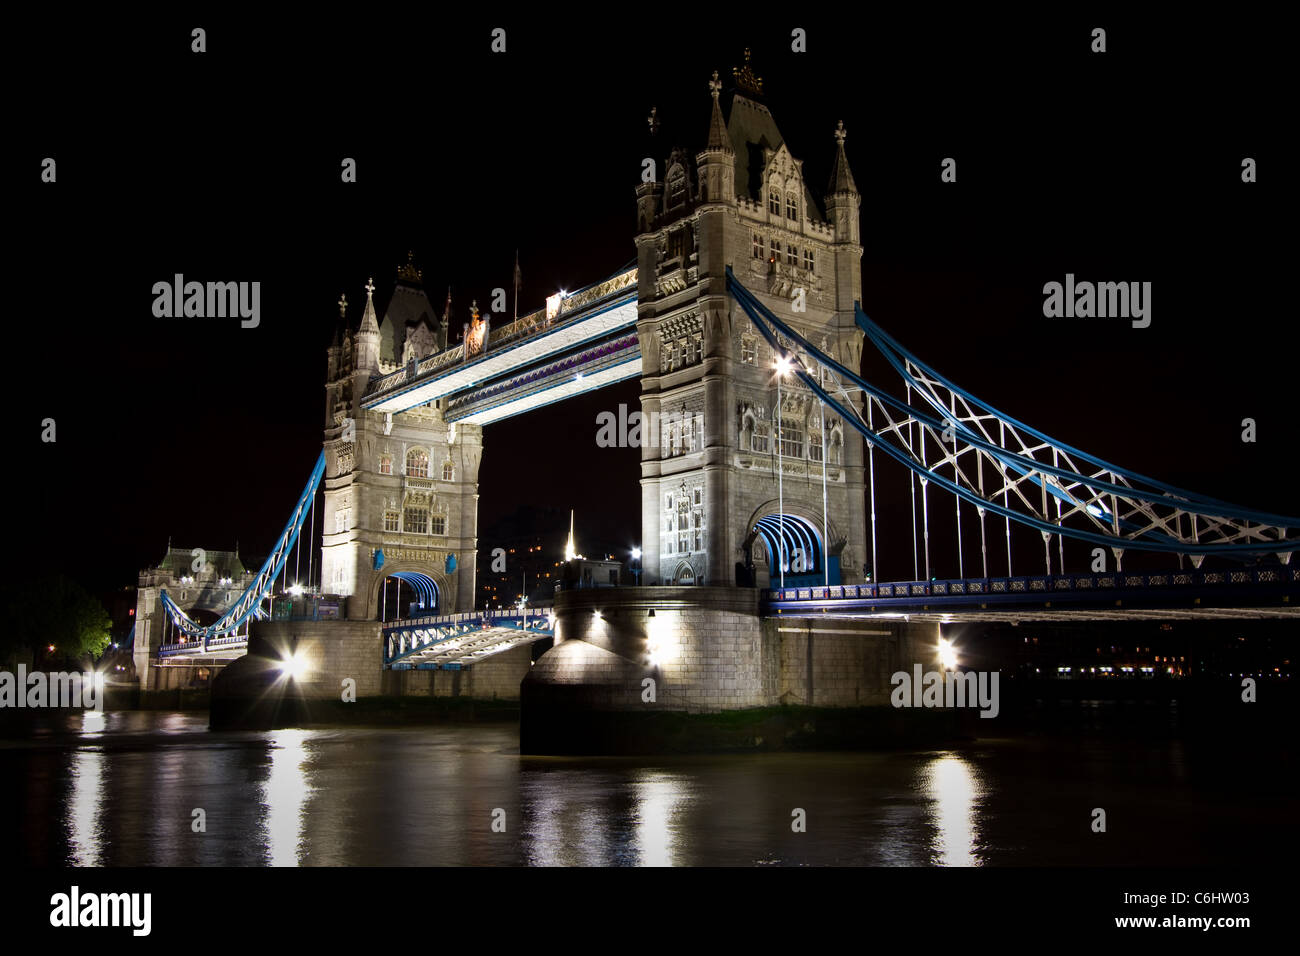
(841, 133)
(715, 85)
(653, 120)
(343, 306)
(370, 287)
(746, 80)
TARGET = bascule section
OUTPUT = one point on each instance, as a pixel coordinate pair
(749, 481)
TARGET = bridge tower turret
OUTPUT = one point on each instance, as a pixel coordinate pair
(707, 378)
(401, 490)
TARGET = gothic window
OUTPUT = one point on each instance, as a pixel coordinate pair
(385, 464)
(791, 207)
(668, 503)
(758, 246)
(677, 244)
(697, 346)
(448, 471)
(760, 437)
(748, 353)
(791, 438)
(438, 524)
(697, 435)
(676, 188)
(340, 521)
(417, 464)
(808, 259)
(392, 521)
(683, 524)
(814, 439)
(791, 255)
(416, 521)
(774, 202)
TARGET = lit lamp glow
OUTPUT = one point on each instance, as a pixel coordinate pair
(658, 648)
(293, 667)
(947, 654)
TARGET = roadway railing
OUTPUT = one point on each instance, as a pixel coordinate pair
(1042, 584)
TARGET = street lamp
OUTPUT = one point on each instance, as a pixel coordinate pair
(636, 565)
(782, 365)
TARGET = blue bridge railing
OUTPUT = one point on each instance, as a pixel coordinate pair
(1282, 581)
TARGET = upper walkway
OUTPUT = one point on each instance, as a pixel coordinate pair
(582, 341)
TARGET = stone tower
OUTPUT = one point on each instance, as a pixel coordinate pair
(401, 490)
(707, 373)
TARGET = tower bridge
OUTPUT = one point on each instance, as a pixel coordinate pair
(741, 318)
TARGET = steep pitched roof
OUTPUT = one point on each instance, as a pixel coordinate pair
(753, 129)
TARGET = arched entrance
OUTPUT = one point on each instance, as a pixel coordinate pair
(406, 594)
(796, 543)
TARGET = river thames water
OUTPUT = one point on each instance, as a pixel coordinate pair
(122, 788)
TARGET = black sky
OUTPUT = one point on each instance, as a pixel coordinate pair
(225, 166)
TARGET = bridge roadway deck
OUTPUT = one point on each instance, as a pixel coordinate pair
(1253, 593)
(455, 641)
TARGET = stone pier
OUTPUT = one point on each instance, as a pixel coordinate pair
(629, 666)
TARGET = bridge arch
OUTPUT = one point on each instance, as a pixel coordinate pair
(802, 528)
(428, 583)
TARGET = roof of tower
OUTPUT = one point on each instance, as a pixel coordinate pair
(409, 307)
(753, 129)
(181, 561)
(841, 174)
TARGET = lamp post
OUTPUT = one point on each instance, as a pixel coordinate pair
(781, 363)
(636, 566)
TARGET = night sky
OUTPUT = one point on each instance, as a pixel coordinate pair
(225, 167)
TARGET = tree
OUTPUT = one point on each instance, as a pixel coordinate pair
(53, 611)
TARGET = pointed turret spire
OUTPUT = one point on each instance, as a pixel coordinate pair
(340, 324)
(570, 550)
(841, 175)
(369, 322)
(446, 310)
(718, 137)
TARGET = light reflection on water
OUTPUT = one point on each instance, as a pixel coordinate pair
(120, 790)
(953, 785)
(84, 811)
(658, 797)
(285, 794)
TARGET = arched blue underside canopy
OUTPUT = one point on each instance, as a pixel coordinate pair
(425, 587)
(796, 534)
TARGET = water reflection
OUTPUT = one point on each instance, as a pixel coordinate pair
(953, 786)
(284, 794)
(658, 797)
(85, 808)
